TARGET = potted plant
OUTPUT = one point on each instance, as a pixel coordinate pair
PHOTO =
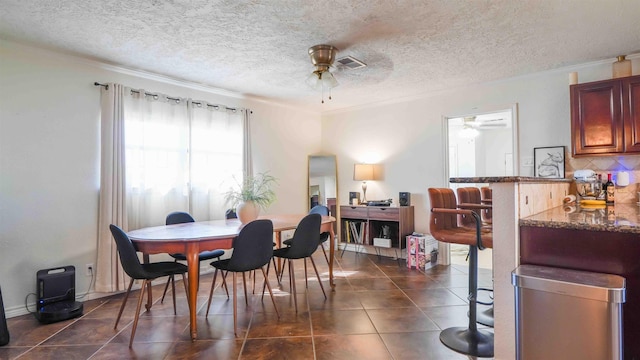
(255, 192)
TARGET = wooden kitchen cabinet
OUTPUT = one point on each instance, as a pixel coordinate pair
(605, 117)
(367, 221)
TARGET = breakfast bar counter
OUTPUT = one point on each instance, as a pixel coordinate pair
(601, 240)
(623, 218)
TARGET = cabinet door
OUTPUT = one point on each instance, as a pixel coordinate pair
(596, 118)
(631, 110)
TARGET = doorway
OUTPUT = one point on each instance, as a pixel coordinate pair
(477, 145)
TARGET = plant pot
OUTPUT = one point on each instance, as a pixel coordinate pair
(247, 211)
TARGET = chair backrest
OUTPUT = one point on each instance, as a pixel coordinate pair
(127, 252)
(468, 195)
(253, 247)
(306, 237)
(446, 199)
(178, 217)
(319, 209)
(486, 193)
(230, 214)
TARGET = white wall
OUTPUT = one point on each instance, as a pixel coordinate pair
(407, 137)
(49, 159)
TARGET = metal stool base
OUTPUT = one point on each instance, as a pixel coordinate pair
(470, 342)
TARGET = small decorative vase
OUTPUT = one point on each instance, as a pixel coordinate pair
(622, 67)
(247, 211)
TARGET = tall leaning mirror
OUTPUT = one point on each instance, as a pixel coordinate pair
(323, 182)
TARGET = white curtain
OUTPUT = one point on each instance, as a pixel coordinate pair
(157, 153)
(216, 158)
(109, 274)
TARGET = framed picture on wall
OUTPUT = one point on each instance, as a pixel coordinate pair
(549, 162)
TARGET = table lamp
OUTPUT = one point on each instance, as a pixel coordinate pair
(364, 173)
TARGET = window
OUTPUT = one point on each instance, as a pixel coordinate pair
(180, 156)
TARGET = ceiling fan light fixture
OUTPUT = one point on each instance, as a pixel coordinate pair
(322, 57)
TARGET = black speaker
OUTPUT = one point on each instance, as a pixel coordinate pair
(354, 195)
(404, 199)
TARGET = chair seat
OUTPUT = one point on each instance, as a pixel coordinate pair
(323, 237)
(464, 236)
(285, 253)
(221, 264)
(163, 268)
(205, 255)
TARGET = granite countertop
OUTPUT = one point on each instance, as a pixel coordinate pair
(619, 218)
(506, 179)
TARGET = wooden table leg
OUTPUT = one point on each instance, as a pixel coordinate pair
(332, 245)
(145, 258)
(194, 277)
(278, 245)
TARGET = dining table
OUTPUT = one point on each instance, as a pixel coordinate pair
(194, 237)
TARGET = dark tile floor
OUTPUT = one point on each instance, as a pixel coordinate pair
(379, 310)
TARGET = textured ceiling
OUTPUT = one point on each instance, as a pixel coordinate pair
(259, 48)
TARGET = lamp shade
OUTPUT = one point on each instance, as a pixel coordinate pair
(365, 172)
(321, 80)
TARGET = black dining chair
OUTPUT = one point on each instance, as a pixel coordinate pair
(252, 250)
(180, 217)
(324, 211)
(304, 243)
(139, 271)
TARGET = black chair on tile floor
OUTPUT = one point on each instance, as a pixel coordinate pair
(145, 272)
(252, 250)
(304, 243)
(179, 217)
(324, 211)
(443, 226)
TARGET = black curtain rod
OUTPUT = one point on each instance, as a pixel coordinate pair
(106, 86)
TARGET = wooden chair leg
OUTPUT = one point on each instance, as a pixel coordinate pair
(124, 302)
(235, 306)
(185, 282)
(244, 283)
(223, 275)
(213, 285)
(137, 316)
(166, 287)
(292, 279)
(325, 253)
(318, 276)
(266, 282)
(306, 277)
(173, 293)
(266, 278)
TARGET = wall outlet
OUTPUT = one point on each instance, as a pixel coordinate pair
(89, 269)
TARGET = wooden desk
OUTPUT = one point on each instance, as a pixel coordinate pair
(193, 238)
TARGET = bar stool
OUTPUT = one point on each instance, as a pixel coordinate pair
(470, 198)
(487, 199)
(443, 226)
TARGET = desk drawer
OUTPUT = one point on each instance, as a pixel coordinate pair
(353, 212)
(384, 213)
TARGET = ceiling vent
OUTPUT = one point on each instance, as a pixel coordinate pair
(351, 63)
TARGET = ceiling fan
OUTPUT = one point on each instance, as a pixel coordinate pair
(323, 57)
(473, 122)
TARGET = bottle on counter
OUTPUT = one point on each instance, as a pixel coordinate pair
(610, 190)
(601, 188)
